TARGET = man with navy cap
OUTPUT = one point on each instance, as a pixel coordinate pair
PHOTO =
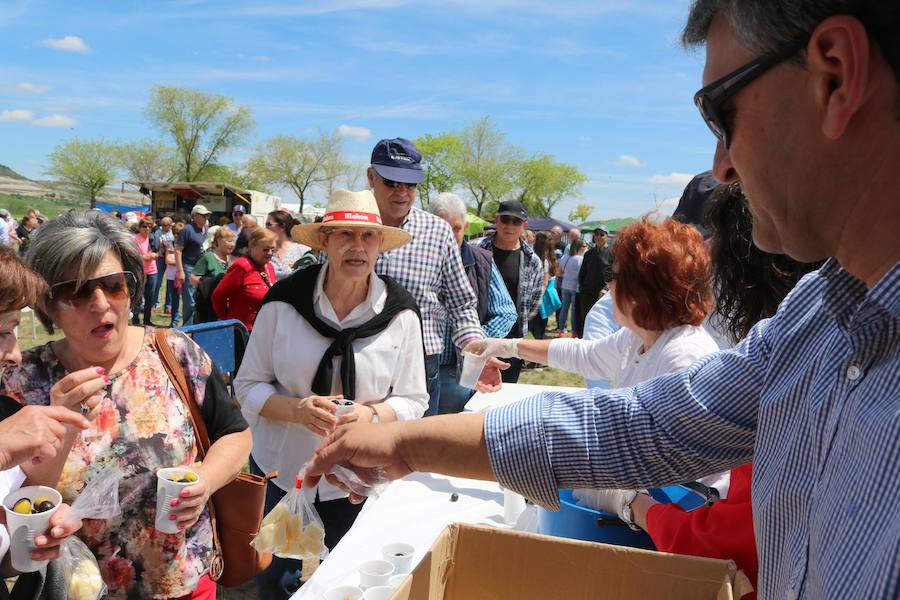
(429, 267)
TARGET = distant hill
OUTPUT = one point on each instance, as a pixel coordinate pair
(7, 172)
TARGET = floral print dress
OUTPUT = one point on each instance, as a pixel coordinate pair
(142, 425)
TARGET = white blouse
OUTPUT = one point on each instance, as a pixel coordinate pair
(282, 358)
(619, 357)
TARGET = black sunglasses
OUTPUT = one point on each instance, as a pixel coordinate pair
(710, 99)
(510, 220)
(395, 184)
(68, 294)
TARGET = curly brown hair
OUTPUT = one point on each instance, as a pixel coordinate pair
(19, 285)
(663, 271)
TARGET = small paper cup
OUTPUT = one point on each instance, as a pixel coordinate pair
(396, 580)
(343, 593)
(374, 573)
(166, 491)
(400, 555)
(472, 366)
(344, 407)
(380, 592)
(24, 528)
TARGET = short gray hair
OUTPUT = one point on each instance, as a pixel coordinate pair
(448, 204)
(73, 245)
(769, 25)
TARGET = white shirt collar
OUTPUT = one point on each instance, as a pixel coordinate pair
(365, 310)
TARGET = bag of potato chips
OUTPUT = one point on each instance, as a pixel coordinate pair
(98, 500)
(293, 529)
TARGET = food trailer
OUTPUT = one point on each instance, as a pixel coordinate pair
(168, 198)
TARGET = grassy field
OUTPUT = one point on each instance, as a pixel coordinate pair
(17, 205)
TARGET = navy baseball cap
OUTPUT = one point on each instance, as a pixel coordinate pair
(398, 160)
(512, 208)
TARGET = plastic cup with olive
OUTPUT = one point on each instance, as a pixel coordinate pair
(28, 511)
(169, 483)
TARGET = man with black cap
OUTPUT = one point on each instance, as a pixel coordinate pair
(429, 267)
(521, 269)
(593, 276)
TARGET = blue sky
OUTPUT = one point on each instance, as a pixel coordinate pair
(602, 84)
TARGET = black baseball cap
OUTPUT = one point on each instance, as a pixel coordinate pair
(691, 207)
(512, 208)
(398, 159)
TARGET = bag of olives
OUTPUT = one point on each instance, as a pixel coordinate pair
(98, 500)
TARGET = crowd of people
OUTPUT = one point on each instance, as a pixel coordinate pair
(765, 356)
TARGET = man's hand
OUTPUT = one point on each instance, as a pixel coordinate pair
(371, 451)
(500, 348)
(490, 380)
(35, 433)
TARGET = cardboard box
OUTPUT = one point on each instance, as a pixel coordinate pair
(470, 562)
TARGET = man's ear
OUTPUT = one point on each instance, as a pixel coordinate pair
(370, 175)
(839, 59)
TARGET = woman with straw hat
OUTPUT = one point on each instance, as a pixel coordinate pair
(329, 333)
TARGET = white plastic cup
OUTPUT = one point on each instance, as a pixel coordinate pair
(344, 407)
(513, 506)
(343, 593)
(396, 580)
(400, 555)
(472, 366)
(374, 573)
(381, 592)
(166, 491)
(23, 528)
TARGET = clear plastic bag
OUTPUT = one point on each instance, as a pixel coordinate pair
(355, 483)
(98, 500)
(293, 529)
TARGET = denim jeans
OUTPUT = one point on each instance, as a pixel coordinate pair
(453, 395)
(568, 300)
(173, 301)
(187, 297)
(150, 285)
(433, 381)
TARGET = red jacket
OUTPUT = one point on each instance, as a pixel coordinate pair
(240, 293)
(723, 530)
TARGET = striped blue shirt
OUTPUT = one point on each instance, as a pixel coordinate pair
(811, 397)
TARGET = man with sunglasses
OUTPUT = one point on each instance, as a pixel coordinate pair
(804, 98)
(521, 269)
(429, 267)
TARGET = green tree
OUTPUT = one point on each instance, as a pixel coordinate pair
(581, 213)
(543, 182)
(225, 174)
(202, 125)
(299, 164)
(88, 165)
(486, 165)
(441, 158)
(147, 160)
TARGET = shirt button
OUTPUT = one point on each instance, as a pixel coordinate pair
(853, 373)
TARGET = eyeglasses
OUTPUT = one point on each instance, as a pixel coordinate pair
(710, 99)
(116, 286)
(145, 227)
(510, 220)
(398, 184)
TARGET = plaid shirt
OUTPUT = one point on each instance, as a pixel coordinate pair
(810, 396)
(531, 282)
(430, 269)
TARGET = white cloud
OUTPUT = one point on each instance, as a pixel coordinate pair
(629, 160)
(16, 115)
(355, 132)
(34, 88)
(680, 179)
(262, 58)
(673, 201)
(56, 120)
(70, 43)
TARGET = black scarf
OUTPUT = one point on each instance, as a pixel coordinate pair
(297, 290)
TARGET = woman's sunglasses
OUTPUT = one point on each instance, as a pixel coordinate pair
(116, 286)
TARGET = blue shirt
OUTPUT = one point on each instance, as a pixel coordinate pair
(501, 316)
(598, 324)
(191, 243)
(811, 397)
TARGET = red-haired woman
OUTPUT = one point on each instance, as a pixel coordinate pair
(662, 291)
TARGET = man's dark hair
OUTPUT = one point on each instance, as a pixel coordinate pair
(749, 284)
(766, 26)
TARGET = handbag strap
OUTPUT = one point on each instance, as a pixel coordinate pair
(179, 379)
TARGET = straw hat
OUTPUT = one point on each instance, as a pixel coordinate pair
(350, 209)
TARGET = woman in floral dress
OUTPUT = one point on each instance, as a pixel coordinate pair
(141, 424)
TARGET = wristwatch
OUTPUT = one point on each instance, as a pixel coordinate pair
(626, 514)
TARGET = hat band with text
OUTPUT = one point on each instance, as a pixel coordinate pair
(361, 217)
